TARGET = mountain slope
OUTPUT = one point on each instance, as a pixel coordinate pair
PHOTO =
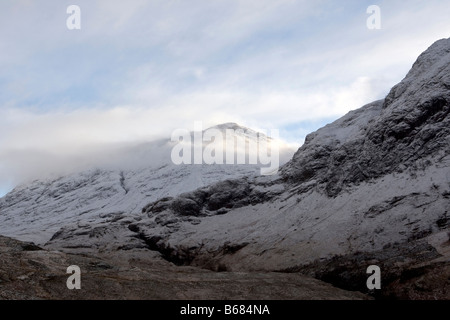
(114, 191)
(393, 135)
(378, 178)
(371, 187)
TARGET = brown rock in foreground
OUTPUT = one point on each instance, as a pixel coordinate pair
(29, 272)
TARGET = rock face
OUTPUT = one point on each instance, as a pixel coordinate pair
(29, 272)
(404, 131)
(370, 188)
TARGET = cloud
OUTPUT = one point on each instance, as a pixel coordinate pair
(139, 69)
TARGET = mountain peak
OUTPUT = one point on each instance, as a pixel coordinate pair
(438, 51)
(429, 77)
(384, 137)
(371, 186)
(230, 125)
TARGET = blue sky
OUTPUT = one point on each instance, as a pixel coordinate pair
(140, 69)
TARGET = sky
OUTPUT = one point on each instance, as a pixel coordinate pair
(137, 70)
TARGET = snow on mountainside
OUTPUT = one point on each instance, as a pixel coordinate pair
(375, 183)
(407, 127)
(371, 188)
(120, 189)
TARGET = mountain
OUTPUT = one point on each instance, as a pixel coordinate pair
(370, 188)
(114, 190)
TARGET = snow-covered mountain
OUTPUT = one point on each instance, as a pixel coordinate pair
(116, 189)
(370, 188)
(374, 181)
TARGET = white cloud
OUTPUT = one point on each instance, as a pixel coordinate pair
(138, 69)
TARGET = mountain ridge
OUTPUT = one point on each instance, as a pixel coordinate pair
(371, 187)
(328, 181)
(119, 188)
